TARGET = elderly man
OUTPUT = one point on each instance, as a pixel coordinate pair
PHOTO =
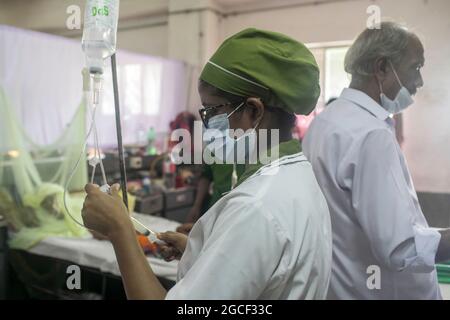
(270, 237)
(383, 247)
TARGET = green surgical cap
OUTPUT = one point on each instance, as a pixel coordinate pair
(269, 65)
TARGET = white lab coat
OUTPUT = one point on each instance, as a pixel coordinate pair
(382, 245)
(269, 238)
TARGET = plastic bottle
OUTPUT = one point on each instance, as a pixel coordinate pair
(151, 136)
(100, 32)
(146, 185)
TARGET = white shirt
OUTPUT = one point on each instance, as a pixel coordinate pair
(269, 238)
(375, 215)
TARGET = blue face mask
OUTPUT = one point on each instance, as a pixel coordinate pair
(402, 101)
(222, 146)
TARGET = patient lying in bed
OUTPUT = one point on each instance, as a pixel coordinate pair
(41, 214)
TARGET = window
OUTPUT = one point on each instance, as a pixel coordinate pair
(336, 79)
(139, 90)
(132, 91)
(151, 88)
(333, 79)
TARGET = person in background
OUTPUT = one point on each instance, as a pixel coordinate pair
(217, 176)
(383, 247)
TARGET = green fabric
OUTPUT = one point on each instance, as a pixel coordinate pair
(37, 174)
(269, 65)
(443, 271)
(35, 164)
(220, 175)
(47, 216)
(285, 148)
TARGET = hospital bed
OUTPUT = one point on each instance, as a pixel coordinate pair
(95, 258)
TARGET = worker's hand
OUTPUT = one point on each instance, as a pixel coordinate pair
(105, 213)
(176, 244)
(185, 228)
(98, 235)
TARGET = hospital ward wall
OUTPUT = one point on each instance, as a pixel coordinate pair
(150, 40)
(427, 123)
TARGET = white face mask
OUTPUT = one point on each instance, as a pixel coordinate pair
(223, 147)
(402, 101)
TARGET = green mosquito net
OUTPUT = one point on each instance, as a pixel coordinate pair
(43, 119)
(33, 177)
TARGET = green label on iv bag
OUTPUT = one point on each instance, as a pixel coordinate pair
(104, 11)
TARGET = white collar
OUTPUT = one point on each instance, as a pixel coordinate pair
(364, 101)
(291, 158)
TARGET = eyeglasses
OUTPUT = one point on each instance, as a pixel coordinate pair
(207, 113)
